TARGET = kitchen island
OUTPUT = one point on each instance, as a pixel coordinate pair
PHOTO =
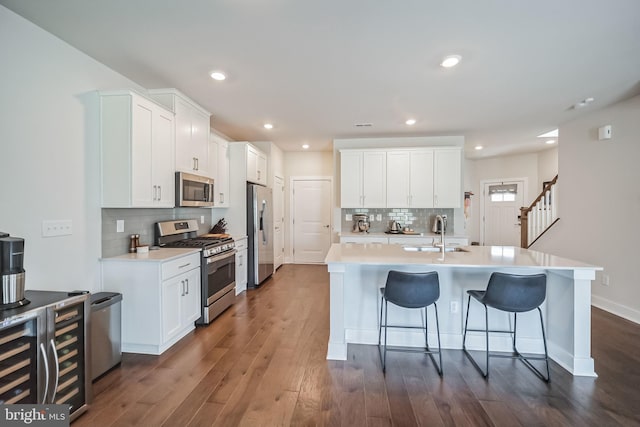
(357, 271)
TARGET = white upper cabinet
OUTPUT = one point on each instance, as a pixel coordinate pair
(410, 178)
(401, 178)
(192, 132)
(447, 176)
(363, 179)
(219, 156)
(256, 165)
(137, 151)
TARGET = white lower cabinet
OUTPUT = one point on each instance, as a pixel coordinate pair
(241, 265)
(160, 299)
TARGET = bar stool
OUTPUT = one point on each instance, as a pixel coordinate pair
(409, 290)
(514, 294)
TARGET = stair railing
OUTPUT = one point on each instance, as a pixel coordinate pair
(536, 219)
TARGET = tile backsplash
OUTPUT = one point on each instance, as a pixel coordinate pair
(420, 220)
(142, 222)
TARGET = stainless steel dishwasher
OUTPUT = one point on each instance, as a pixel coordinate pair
(106, 332)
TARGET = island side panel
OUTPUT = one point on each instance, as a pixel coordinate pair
(337, 347)
(569, 320)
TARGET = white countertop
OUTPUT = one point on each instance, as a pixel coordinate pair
(423, 235)
(158, 255)
(477, 256)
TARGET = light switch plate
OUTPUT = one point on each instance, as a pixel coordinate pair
(51, 228)
(120, 226)
(348, 217)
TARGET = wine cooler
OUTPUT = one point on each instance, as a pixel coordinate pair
(44, 352)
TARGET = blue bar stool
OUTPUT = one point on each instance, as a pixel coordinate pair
(410, 290)
(514, 294)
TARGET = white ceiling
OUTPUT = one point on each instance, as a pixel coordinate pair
(316, 68)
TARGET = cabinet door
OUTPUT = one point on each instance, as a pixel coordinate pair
(374, 177)
(184, 155)
(241, 271)
(421, 179)
(261, 172)
(447, 178)
(398, 172)
(163, 164)
(142, 191)
(190, 302)
(350, 179)
(252, 165)
(222, 184)
(172, 293)
(278, 221)
(200, 142)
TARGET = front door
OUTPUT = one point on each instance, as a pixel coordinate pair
(502, 203)
(311, 220)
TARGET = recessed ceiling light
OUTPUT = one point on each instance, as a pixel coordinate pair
(478, 147)
(217, 75)
(411, 122)
(550, 134)
(268, 126)
(305, 146)
(550, 141)
(451, 61)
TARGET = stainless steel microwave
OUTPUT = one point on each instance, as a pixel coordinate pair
(193, 190)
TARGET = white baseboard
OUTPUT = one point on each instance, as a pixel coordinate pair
(615, 308)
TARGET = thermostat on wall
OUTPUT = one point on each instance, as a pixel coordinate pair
(604, 132)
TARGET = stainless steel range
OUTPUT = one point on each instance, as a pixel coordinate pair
(217, 267)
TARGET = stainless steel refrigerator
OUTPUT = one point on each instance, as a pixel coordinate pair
(260, 232)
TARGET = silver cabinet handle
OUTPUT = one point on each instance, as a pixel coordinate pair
(240, 260)
(159, 192)
(197, 164)
(55, 356)
(182, 282)
(43, 351)
(187, 282)
(184, 265)
(221, 197)
(155, 192)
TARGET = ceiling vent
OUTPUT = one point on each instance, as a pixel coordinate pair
(363, 125)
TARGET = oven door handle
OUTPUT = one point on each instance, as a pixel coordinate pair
(221, 257)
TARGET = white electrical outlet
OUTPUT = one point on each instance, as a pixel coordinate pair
(453, 306)
(57, 228)
(605, 280)
(120, 226)
(201, 219)
(348, 217)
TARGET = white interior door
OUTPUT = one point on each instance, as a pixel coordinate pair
(278, 221)
(502, 203)
(311, 220)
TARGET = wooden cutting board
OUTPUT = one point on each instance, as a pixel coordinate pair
(216, 236)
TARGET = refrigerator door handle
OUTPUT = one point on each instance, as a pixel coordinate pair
(55, 356)
(43, 352)
(264, 232)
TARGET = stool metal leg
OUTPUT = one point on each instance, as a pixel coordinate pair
(485, 374)
(438, 365)
(526, 360)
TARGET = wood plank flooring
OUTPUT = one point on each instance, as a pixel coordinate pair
(262, 363)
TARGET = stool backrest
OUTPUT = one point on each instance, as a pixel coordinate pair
(515, 293)
(412, 290)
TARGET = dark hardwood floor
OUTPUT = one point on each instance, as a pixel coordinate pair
(262, 363)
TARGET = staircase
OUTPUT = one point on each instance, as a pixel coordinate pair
(536, 219)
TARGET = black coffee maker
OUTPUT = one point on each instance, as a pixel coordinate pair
(12, 272)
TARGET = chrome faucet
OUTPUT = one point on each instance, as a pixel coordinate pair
(443, 229)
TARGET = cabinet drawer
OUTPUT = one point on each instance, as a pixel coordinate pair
(180, 265)
(241, 244)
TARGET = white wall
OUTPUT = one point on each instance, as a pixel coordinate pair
(547, 166)
(599, 203)
(297, 164)
(49, 152)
